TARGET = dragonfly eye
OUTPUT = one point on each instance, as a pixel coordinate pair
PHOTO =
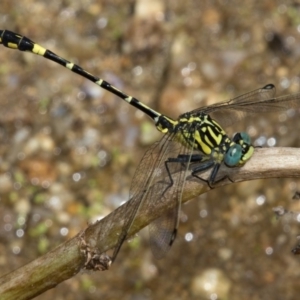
(242, 138)
(233, 155)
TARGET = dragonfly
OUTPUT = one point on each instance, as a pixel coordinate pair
(194, 142)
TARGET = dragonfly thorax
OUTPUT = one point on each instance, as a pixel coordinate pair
(200, 132)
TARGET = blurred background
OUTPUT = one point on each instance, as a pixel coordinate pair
(68, 149)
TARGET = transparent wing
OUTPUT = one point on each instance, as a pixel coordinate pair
(141, 182)
(150, 185)
(258, 101)
(163, 229)
(161, 233)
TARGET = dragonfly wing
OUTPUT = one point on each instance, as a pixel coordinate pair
(163, 230)
(138, 191)
(257, 101)
(238, 111)
(150, 182)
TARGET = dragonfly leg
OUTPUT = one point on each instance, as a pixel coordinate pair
(182, 159)
(203, 167)
(211, 182)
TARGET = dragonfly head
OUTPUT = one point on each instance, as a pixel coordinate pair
(239, 151)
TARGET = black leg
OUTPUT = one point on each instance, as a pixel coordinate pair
(182, 159)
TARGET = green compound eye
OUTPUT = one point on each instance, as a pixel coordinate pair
(233, 155)
(242, 138)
